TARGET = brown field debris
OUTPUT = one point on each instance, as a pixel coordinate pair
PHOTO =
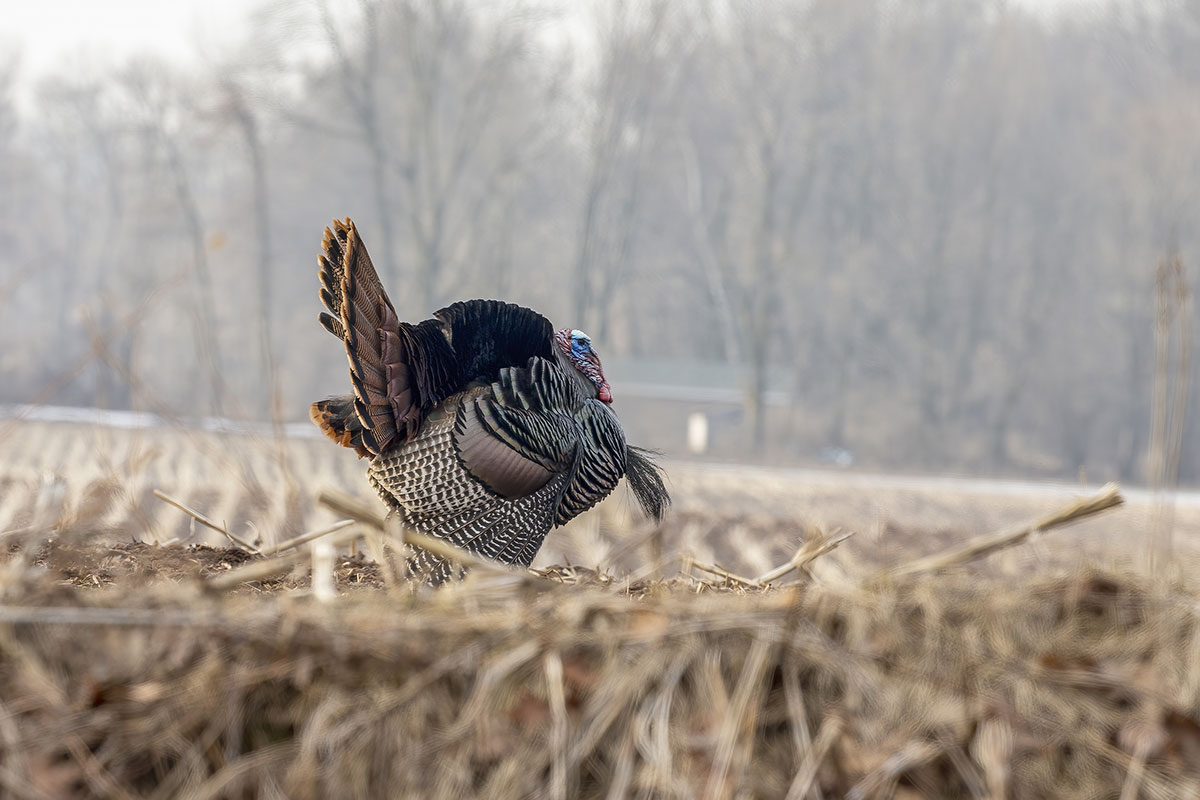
(125, 673)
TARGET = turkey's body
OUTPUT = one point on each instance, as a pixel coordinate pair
(484, 427)
(426, 484)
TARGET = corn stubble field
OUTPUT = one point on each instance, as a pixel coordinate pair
(633, 662)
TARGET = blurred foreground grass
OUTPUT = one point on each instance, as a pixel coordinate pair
(1077, 684)
(1054, 669)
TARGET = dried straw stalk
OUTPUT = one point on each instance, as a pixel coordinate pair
(203, 520)
(980, 546)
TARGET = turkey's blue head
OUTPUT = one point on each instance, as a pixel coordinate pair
(577, 347)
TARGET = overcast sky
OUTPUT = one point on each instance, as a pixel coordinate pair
(52, 33)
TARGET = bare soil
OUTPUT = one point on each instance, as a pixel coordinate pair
(94, 565)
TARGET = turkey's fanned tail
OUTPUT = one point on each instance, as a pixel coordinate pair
(362, 316)
(645, 479)
(401, 371)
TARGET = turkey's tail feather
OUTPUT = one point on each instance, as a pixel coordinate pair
(645, 479)
(362, 316)
(400, 370)
(337, 419)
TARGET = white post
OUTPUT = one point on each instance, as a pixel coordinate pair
(697, 432)
(323, 587)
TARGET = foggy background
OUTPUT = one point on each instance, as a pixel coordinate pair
(936, 235)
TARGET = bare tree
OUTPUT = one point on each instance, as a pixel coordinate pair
(157, 102)
(1172, 378)
(922, 222)
(236, 102)
(356, 46)
(83, 137)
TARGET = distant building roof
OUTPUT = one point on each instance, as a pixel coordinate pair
(695, 381)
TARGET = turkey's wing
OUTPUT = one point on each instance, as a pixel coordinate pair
(514, 451)
(518, 433)
(601, 463)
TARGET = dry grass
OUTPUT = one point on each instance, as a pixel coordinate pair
(577, 685)
(59, 476)
(134, 670)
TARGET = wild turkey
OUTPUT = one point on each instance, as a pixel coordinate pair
(484, 426)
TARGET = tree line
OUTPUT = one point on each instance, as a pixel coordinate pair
(936, 224)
